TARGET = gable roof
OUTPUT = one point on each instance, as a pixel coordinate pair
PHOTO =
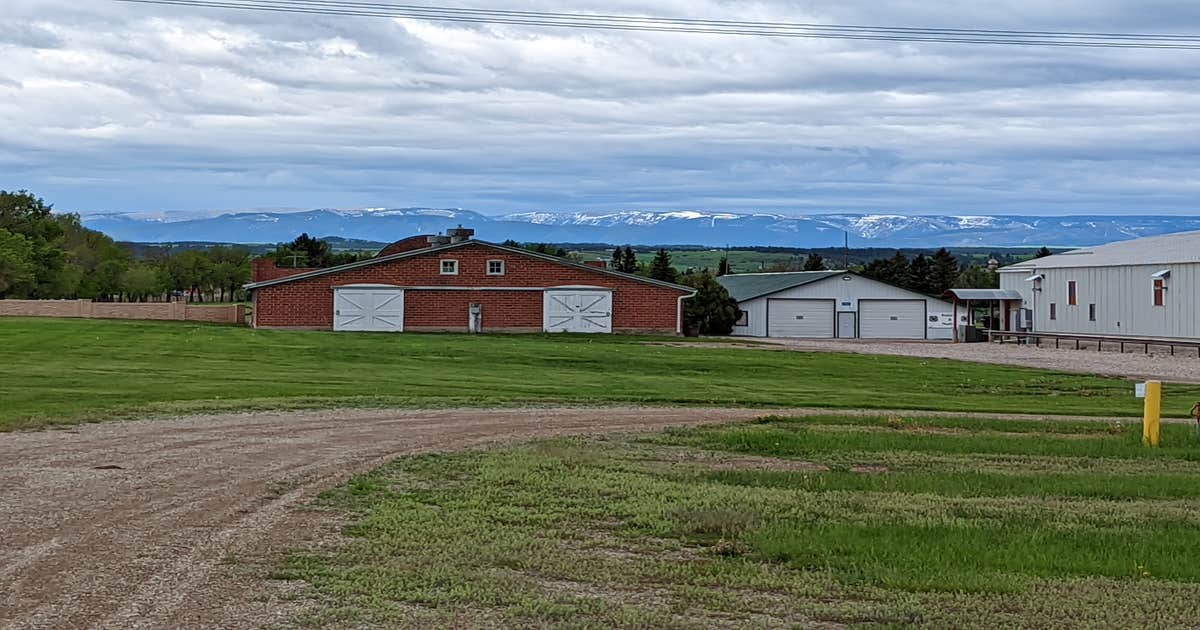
(452, 246)
(747, 286)
(1183, 247)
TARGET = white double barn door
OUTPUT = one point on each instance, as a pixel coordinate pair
(577, 310)
(381, 309)
(374, 309)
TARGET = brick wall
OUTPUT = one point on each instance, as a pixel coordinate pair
(406, 245)
(263, 269)
(225, 314)
(308, 303)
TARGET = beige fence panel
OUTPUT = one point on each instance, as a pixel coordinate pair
(223, 314)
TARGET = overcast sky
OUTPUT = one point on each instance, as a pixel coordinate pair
(108, 107)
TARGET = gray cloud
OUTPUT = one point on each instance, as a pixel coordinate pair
(125, 107)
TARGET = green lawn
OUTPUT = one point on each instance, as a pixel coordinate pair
(61, 371)
(784, 522)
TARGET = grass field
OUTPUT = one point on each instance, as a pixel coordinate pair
(62, 371)
(837, 521)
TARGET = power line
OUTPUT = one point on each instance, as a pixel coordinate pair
(353, 8)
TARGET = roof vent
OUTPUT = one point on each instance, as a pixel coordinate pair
(460, 234)
(437, 240)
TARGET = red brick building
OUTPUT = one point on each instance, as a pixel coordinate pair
(435, 284)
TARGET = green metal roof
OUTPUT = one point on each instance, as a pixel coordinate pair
(747, 286)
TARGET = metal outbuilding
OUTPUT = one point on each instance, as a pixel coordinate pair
(1146, 287)
(834, 304)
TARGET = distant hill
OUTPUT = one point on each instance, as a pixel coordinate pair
(712, 229)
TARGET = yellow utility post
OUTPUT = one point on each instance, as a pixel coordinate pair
(1152, 413)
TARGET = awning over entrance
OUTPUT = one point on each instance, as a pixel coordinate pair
(980, 295)
(996, 301)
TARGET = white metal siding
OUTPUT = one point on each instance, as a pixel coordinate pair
(845, 293)
(800, 318)
(1123, 297)
(891, 319)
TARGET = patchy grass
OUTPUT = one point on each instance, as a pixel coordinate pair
(62, 371)
(948, 523)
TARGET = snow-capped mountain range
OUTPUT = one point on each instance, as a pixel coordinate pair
(642, 227)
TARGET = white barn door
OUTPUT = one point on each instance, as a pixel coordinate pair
(379, 309)
(577, 310)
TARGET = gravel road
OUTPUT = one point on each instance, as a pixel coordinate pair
(150, 523)
(1132, 364)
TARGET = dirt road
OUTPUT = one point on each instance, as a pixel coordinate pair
(146, 524)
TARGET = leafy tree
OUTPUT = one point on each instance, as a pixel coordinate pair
(108, 278)
(142, 281)
(1043, 252)
(977, 277)
(615, 265)
(661, 269)
(629, 261)
(25, 214)
(711, 308)
(16, 263)
(723, 266)
(814, 262)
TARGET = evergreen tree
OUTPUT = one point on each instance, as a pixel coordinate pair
(814, 262)
(943, 271)
(1043, 252)
(919, 271)
(711, 309)
(629, 261)
(615, 265)
(661, 269)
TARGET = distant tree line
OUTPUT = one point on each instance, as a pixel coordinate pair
(48, 255)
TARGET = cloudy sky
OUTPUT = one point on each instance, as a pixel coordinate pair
(107, 106)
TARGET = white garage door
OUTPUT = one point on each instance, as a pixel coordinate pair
(371, 309)
(891, 319)
(800, 318)
(577, 310)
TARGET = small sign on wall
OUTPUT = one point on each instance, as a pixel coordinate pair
(1139, 390)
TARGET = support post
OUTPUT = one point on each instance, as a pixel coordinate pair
(1151, 414)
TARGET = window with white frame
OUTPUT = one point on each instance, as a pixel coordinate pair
(449, 267)
(495, 267)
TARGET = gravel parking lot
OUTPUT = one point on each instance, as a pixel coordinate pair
(1181, 368)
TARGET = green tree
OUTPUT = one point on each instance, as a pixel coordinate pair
(894, 270)
(629, 261)
(977, 277)
(1043, 252)
(943, 271)
(615, 265)
(920, 275)
(723, 266)
(16, 264)
(661, 269)
(25, 214)
(814, 262)
(711, 309)
(142, 281)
